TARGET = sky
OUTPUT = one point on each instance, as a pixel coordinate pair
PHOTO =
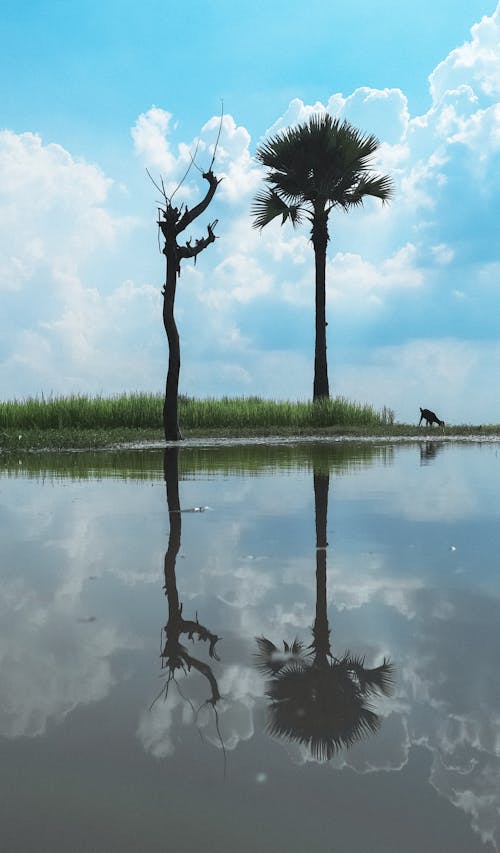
(92, 94)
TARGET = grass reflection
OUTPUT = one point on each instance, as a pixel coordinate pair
(219, 459)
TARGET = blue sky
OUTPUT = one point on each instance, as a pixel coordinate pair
(93, 93)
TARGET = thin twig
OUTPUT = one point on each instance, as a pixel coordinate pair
(156, 185)
(218, 135)
(220, 738)
(159, 242)
(165, 688)
(192, 163)
(185, 698)
(216, 714)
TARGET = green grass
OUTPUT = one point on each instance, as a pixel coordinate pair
(138, 411)
(144, 411)
(39, 423)
(255, 413)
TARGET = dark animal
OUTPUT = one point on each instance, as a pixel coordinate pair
(429, 417)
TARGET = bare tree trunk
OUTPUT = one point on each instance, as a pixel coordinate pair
(320, 240)
(170, 405)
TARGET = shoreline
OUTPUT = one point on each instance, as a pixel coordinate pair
(66, 441)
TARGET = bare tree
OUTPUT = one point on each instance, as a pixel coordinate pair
(172, 221)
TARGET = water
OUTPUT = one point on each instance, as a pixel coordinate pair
(117, 736)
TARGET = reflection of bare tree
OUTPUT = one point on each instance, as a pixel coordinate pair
(316, 698)
(174, 654)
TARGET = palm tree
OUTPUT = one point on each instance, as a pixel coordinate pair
(312, 168)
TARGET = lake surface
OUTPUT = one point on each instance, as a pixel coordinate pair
(142, 710)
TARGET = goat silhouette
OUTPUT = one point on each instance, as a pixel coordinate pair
(429, 417)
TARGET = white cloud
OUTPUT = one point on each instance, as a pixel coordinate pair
(63, 332)
(150, 140)
(481, 132)
(475, 63)
(442, 253)
(296, 113)
(233, 163)
(237, 278)
(52, 210)
(383, 112)
(351, 277)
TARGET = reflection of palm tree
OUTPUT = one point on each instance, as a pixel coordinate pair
(174, 654)
(316, 698)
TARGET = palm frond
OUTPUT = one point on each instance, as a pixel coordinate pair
(268, 205)
(380, 679)
(264, 656)
(322, 159)
(377, 680)
(376, 186)
(270, 661)
(297, 648)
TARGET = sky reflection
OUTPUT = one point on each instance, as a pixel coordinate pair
(409, 578)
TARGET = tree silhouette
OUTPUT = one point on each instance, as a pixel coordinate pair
(317, 699)
(172, 221)
(313, 168)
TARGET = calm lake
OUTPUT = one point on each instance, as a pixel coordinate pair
(153, 697)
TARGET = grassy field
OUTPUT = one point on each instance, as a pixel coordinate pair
(80, 421)
(144, 411)
(92, 422)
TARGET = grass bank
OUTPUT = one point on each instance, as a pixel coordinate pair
(81, 421)
(95, 422)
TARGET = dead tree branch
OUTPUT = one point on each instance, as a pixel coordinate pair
(190, 215)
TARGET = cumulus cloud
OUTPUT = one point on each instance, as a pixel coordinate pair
(383, 112)
(150, 135)
(474, 63)
(52, 210)
(221, 143)
(352, 276)
(57, 220)
(296, 113)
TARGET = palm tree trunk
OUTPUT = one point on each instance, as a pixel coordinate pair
(320, 240)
